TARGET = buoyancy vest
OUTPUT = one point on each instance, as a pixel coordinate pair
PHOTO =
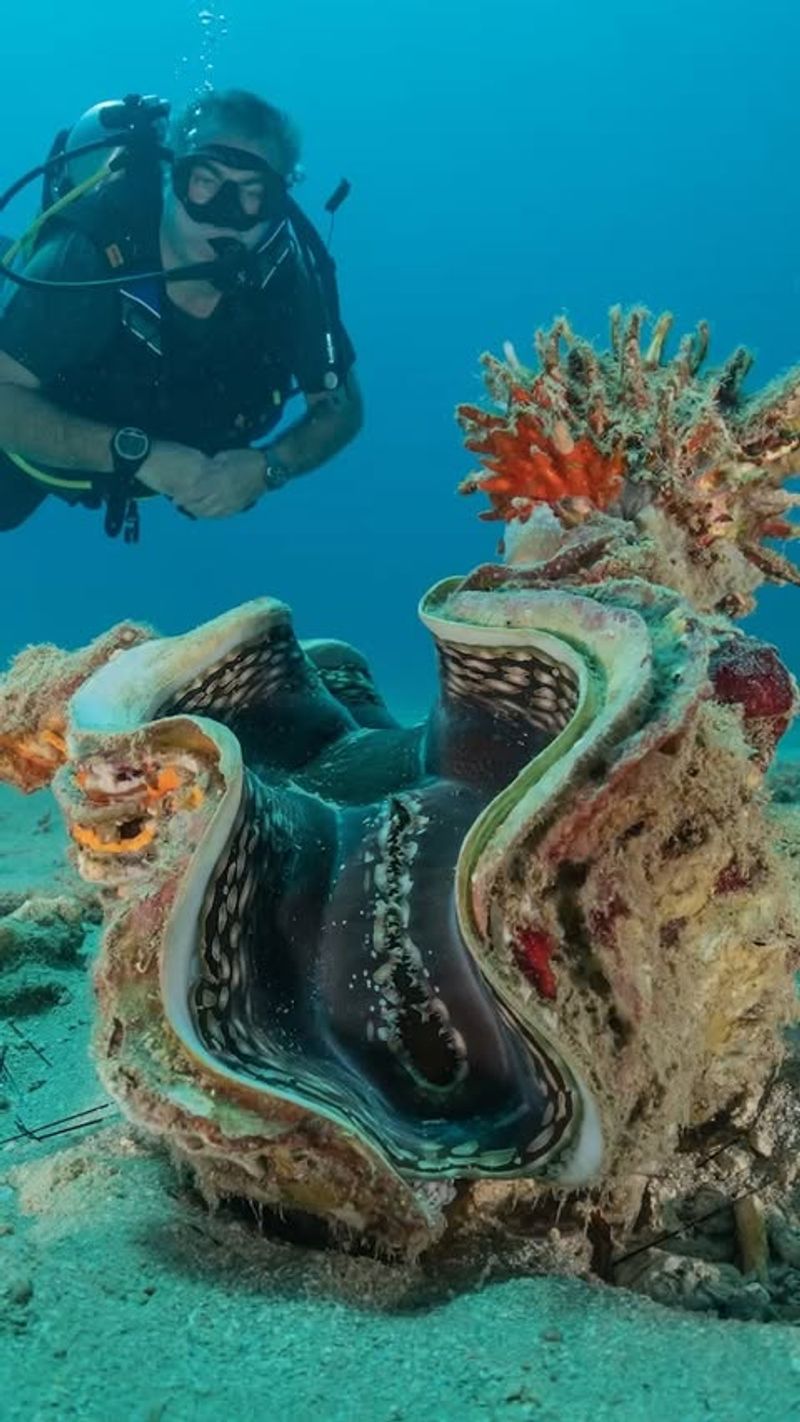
(213, 384)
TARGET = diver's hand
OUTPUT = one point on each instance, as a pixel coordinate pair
(180, 473)
(236, 482)
(202, 486)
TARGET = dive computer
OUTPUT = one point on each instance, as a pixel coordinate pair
(129, 449)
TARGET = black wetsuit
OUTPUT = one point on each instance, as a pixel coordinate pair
(133, 357)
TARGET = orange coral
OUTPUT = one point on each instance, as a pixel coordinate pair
(527, 466)
(617, 432)
(89, 838)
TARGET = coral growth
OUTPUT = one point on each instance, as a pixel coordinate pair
(661, 916)
(751, 675)
(678, 472)
(32, 699)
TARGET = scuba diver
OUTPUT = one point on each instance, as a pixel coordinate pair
(152, 331)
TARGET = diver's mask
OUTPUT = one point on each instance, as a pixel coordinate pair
(216, 201)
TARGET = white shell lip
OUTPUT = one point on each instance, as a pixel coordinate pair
(581, 1161)
(180, 931)
(127, 691)
(552, 620)
(121, 698)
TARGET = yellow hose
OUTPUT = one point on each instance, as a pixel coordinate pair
(28, 237)
(43, 478)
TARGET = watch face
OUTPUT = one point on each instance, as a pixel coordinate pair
(131, 444)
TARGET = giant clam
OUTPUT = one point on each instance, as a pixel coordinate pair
(355, 969)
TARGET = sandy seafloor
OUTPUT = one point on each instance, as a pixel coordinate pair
(122, 1298)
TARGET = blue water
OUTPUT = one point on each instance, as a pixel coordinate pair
(508, 162)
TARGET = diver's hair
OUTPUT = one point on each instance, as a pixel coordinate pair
(241, 112)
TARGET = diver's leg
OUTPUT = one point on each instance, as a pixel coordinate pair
(20, 495)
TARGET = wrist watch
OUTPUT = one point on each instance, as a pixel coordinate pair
(275, 474)
(129, 449)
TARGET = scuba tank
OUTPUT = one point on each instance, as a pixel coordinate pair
(111, 137)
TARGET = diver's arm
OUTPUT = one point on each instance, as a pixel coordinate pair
(44, 331)
(31, 425)
(47, 330)
(332, 419)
